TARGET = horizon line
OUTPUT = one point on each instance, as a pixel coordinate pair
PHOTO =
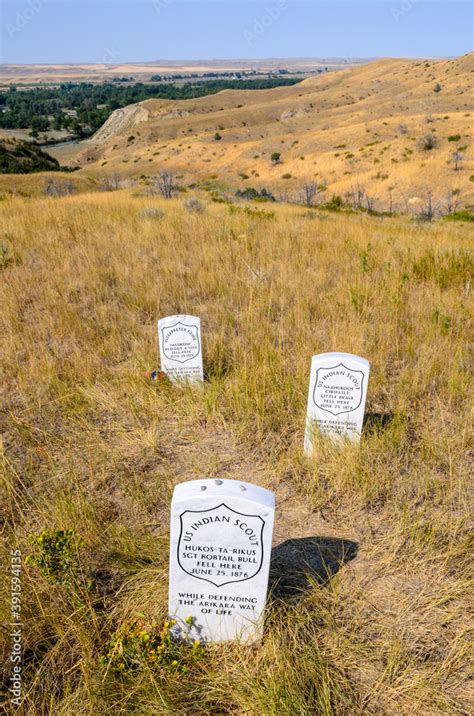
(238, 59)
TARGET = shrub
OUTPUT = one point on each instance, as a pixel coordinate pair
(58, 188)
(253, 194)
(132, 647)
(57, 555)
(286, 176)
(152, 212)
(428, 142)
(6, 255)
(454, 138)
(193, 205)
(462, 215)
(335, 204)
(437, 88)
(253, 213)
(275, 157)
(259, 213)
(217, 137)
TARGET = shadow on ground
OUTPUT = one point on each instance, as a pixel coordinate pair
(296, 563)
(374, 422)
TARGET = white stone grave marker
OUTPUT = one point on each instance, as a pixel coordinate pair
(221, 538)
(181, 347)
(336, 399)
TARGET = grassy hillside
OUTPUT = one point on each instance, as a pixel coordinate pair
(379, 625)
(40, 183)
(25, 158)
(391, 126)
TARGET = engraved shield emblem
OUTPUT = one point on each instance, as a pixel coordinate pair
(338, 389)
(220, 545)
(180, 342)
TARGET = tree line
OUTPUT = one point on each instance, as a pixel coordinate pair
(42, 109)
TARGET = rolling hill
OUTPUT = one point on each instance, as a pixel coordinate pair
(391, 126)
(24, 157)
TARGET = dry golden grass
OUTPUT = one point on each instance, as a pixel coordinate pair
(89, 444)
(361, 125)
(28, 185)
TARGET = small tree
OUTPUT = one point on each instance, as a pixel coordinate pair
(428, 211)
(40, 124)
(275, 157)
(457, 159)
(58, 121)
(390, 199)
(217, 137)
(452, 201)
(370, 202)
(309, 190)
(284, 196)
(111, 183)
(164, 182)
(357, 196)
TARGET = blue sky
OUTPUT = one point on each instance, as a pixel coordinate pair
(49, 31)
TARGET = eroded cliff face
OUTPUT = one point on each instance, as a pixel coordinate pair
(121, 120)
